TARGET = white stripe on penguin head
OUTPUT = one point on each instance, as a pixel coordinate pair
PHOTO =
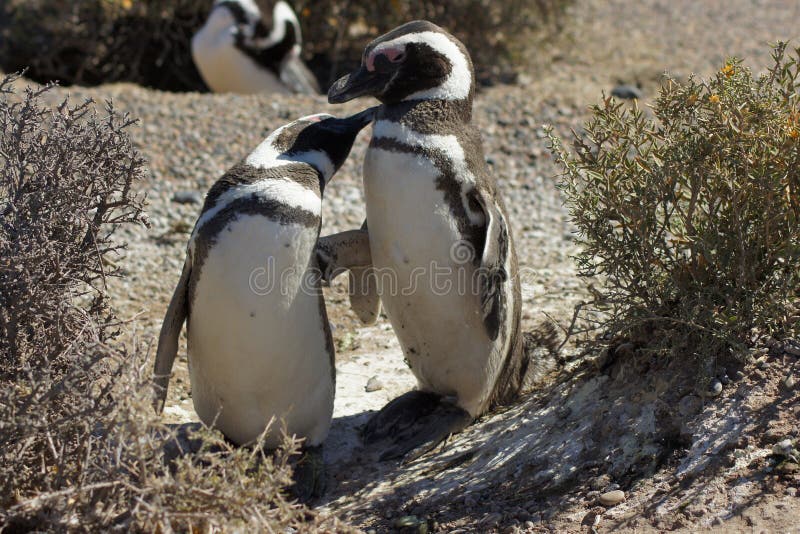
(458, 84)
(281, 14)
(267, 156)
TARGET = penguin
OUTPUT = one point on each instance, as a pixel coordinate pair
(259, 342)
(437, 223)
(236, 52)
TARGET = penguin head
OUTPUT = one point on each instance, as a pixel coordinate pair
(255, 29)
(415, 61)
(243, 14)
(322, 141)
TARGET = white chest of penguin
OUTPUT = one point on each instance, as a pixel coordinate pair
(424, 280)
(250, 317)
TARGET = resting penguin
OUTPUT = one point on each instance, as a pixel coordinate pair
(235, 51)
(259, 342)
(437, 223)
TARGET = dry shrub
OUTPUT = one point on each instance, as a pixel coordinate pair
(147, 42)
(80, 448)
(89, 42)
(501, 35)
(691, 219)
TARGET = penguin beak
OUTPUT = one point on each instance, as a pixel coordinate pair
(353, 123)
(359, 83)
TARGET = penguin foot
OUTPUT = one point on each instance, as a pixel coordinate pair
(309, 475)
(428, 432)
(415, 423)
(399, 415)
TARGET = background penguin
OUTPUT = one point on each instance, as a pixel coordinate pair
(236, 51)
(259, 342)
(432, 204)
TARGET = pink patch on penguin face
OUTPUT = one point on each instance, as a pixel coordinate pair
(394, 54)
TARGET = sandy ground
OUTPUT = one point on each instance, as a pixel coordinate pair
(685, 461)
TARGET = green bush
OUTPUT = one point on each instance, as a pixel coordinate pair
(89, 42)
(691, 219)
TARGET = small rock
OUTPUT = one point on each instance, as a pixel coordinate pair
(187, 197)
(790, 346)
(612, 498)
(783, 448)
(791, 492)
(714, 389)
(373, 384)
(789, 381)
(628, 92)
(411, 523)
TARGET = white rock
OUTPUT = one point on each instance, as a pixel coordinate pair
(612, 498)
(373, 384)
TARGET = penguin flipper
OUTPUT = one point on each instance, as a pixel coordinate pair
(493, 274)
(349, 251)
(168, 338)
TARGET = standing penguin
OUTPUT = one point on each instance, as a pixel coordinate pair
(236, 52)
(438, 224)
(259, 342)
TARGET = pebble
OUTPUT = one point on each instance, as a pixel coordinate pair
(792, 347)
(187, 197)
(715, 388)
(628, 92)
(406, 521)
(612, 498)
(789, 381)
(373, 384)
(783, 448)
